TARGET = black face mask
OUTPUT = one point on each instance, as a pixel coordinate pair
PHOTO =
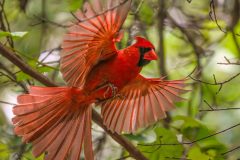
(142, 62)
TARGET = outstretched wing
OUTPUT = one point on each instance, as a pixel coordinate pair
(141, 102)
(92, 38)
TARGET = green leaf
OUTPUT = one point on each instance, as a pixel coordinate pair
(196, 154)
(4, 151)
(44, 69)
(188, 121)
(22, 76)
(75, 4)
(156, 151)
(4, 34)
(29, 156)
(18, 34)
(138, 137)
(194, 130)
(13, 34)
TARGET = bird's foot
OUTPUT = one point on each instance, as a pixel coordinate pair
(120, 96)
(112, 89)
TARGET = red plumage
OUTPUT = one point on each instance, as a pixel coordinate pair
(57, 120)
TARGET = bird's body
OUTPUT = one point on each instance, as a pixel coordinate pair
(57, 120)
(108, 77)
(117, 71)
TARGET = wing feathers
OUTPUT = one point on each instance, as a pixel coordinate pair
(145, 102)
(91, 39)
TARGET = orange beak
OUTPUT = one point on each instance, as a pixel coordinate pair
(150, 55)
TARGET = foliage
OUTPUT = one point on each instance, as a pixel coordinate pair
(158, 151)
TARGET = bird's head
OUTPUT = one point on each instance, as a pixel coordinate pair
(146, 51)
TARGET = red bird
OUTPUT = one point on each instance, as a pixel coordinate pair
(57, 120)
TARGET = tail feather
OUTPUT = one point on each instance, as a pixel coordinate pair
(59, 148)
(87, 138)
(26, 98)
(35, 90)
(42, 123)
(42, 142)
(26, 119)
(39, 127)
(54, 122)
(76, 148)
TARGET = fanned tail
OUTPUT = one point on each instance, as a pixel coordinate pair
(55, 122)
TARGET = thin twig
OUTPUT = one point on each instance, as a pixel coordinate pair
(138, 8)
(232, 63)
(192, 142)
(4, 23)
(12, 76)
(103, 12)
(234, 149)
(228, 62)
(9, 103)
(45, 20)
(218, 109)
(209, 105)
(236, 42)
(220, 84)
(213, 16)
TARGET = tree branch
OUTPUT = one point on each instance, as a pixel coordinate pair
(161, 17)
(11, 56)
(11, 76)
(121, 140)
(14, 58)
(20, 153)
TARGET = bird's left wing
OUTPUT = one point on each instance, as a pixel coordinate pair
(92, 38)
(140, 103)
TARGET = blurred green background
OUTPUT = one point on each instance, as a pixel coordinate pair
(187, 40)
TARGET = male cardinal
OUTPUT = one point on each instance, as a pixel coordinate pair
(57, 120)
